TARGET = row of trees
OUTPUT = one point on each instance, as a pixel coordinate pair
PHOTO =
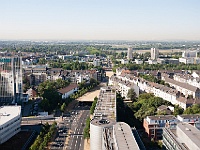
(84, 88)
(86, 132)
(145, 66)
(44, 137)
(61, 49)
(92, 108)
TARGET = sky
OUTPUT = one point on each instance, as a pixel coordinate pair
(100, 20)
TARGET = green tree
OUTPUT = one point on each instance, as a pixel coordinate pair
(44, 104)
(42, 61)
(146, 105)
(194, 109)
(131, 95)
(92, 108)
(177, 110)
(86, 132)
(63, 107)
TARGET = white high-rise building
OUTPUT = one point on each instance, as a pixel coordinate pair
(130, 53)
(154, 53)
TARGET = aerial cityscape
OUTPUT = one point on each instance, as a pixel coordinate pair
(99, 75)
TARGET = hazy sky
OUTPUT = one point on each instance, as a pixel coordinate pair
(100, 19)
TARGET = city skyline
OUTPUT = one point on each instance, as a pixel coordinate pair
(99, 20)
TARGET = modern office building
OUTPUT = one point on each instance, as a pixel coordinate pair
(183, 136)
(154, 53)
(10, 79)
(130, 53)
(10, 122)
(105, 132)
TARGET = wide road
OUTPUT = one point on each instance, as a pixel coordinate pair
(76, 141)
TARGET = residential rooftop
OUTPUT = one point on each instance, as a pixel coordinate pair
(162, 117)
(68, 88)
(183, 85)
(189, 116)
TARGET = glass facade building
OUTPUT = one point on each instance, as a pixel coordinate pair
(10, 79)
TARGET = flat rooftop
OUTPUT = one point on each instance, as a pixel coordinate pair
(106, 104)
(9, 112)
(102, 122)
(161, 117)
(190, 116)
(192, 133)
(124, 137)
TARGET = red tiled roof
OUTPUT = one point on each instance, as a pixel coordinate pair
(68, 88)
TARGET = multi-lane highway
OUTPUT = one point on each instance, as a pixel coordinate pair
(76, 141)
(71, 127)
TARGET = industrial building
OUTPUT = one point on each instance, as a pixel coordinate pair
(10, 122)
(10, 80)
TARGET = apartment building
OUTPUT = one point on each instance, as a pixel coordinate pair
(130, 53)
(154, 53)
(123, 86)
(186, 78)
(179, 94)
(40, 74)
(184, 88)
(154, 125)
